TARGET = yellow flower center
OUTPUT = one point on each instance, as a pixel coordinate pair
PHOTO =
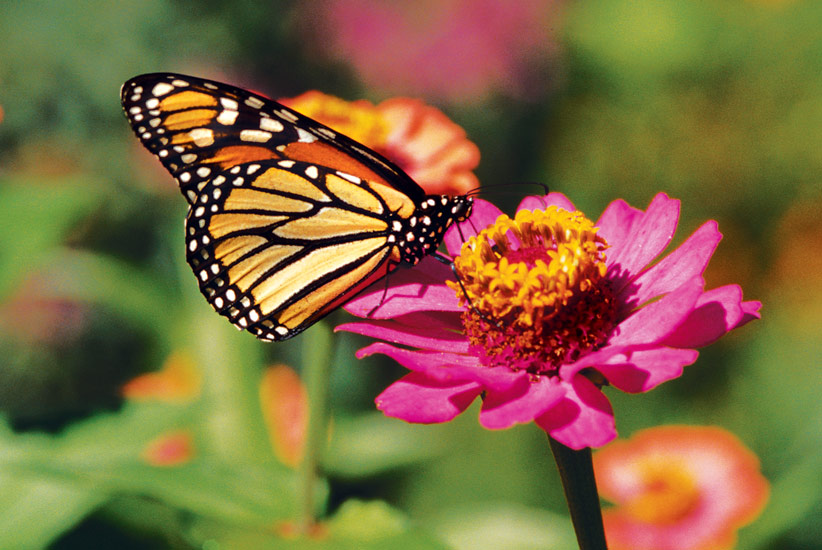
(537, 295)
(359, 120)
(669, 491)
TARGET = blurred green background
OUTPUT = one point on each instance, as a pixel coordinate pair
(716, 103)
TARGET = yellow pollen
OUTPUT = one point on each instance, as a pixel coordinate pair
(669, 491)
(536, 289)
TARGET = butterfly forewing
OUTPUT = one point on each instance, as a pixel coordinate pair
(287, 218)
(198, 128)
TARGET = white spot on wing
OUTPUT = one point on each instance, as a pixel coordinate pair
(288, 115)
(229, 103)
(161, 89)
(306, 137)
(256, 136)
(271, 125)
(202, 137)
(326, 132)
(227, 118)
(254, 102)
(349, 177)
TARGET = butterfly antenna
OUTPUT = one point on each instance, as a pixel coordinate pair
(487, 188)
(450, 263)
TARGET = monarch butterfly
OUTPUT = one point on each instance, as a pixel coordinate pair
(288, 219)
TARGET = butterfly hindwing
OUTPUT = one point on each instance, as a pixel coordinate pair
(276, 245)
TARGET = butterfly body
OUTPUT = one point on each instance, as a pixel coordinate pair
(288, 219)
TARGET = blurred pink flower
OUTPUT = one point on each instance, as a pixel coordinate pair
(679, 488)
(170, 449)
(36, 316)
(453, 49)
(564, 318)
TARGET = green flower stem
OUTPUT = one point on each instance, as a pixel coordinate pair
(316, 355)
(576, 469)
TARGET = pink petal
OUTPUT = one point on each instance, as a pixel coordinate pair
(617, 220)
(657, 320)
(448, 367)
(598, 357)
(750, 312)
(483, 214)
(433, 363)
(541, 203)
(417, 398)
(688, 260)
(582, 418)
(648, 237)
(717, 312)
(521, 403)
(644, 370)
(418, 330)
(421, 288)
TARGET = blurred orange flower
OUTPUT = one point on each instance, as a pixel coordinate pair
(177, 381)
(170, 449)
(417, 137)
(679, 488)
(285, 409)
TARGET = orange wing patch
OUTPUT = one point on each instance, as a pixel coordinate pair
(275, 291)
(229, 156)
(332, 294)
(277, 179)
(326, 155)
(353, 194)
(187, 99)
(331, 222)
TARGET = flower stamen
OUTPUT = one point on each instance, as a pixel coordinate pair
(541, 278)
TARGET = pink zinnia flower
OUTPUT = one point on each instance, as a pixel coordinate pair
(679, 488)
(553, 316)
